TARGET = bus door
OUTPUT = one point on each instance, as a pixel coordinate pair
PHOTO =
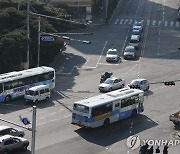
(140, 104)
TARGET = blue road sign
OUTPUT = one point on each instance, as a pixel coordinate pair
(25, 121)
(47, 38)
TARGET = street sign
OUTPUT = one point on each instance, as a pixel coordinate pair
(47, 38)
(24, 120)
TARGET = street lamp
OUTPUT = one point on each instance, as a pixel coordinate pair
(27, 34)
(39, 40)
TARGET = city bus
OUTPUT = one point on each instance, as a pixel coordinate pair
(14, 84)
(107, 108)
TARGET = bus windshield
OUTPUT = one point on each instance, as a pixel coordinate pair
(81, 108)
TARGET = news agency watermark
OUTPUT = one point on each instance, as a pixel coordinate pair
(134, 142)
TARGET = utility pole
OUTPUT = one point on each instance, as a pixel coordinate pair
(33, 130)
(106, 18)
(39, 40)
(27, 34)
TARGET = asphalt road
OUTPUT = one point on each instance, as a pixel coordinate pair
(78, 76)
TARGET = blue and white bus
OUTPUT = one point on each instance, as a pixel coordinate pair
(108, 108)
(14, 84)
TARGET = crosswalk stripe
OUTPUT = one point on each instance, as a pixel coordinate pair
(148, 22)
(177, 24)
(117, 20)
(121, 21)
(125, 21)
(130, 21)
(159, 23)
(166, 23)
(172, 23)
(154, 22)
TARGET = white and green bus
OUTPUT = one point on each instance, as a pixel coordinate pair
(108, 108)
(14, 84)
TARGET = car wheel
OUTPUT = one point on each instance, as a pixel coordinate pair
(7, 98)
(106, 122)
(24, 147)
(122, 86)
(47, 98)
(21, 135)
(110, 89)
(5, 152)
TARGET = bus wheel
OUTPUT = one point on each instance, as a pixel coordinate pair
(134, 113)
(106, 122)
(7, 98)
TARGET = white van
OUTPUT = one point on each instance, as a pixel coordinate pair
(37, 93)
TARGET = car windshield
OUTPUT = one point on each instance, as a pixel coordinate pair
(112, 52)
(129, 50)
(135, 33)
(137, 24)
(81, 108)
(133, 41)
(30, 92)
(134, 82)
(109, 81)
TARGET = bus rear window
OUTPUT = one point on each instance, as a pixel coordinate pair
(81, 108)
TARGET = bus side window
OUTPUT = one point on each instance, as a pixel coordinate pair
(36, 93)
(7, 86)
(124, 103)
(1, 88)
(117, 106)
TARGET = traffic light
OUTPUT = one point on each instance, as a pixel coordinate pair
(168, 83)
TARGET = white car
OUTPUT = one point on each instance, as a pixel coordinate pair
(140, 83)
(6, 130)
(134, 41)
(136, 33)
(10, 144)
(138, 26)
(111, 84)
(112, 55)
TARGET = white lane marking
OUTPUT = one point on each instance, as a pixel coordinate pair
(53, 120)
(166, 23)
(117, 20)
(60, 110)
(52, 113)
(130, 21)
(43, 117)
(172, 23)
(148, 22)
(154, 22)
(101, 54)
(159, 23)
(177, 24)
(121, 21)
(40, 124)
(66, 116)
(126, 21)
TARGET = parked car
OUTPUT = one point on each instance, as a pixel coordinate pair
(134, 41)
(136, 33)
(138, 26)
(112, 55)
(129, 52)
(141, 84)
(9, 144)
(5, 130)
(112, 84)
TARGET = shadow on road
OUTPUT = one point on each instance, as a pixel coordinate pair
(116, 131)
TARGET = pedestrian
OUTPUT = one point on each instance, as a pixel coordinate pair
(142, 150)
(151, 150)
(157, 150)
(165, 150)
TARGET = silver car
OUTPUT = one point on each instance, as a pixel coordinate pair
(129, 52)
(111, 84)
(140, 83)
(136, 33)
(138, 26)
(4, 130)
(134, 41)
(9, 143)
(112, 55)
